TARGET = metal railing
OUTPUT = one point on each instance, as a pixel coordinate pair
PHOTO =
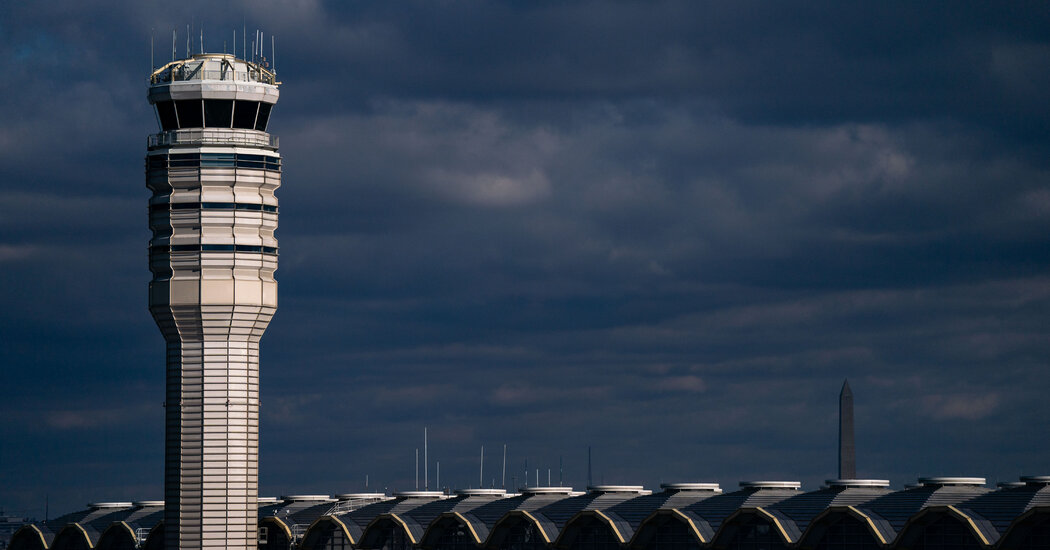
(213, 136)
(142, 534)
(180, 71)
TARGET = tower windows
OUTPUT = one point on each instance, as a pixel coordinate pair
(191, 113)
(264, 115)
(166, 112)
(244, 114)
(218, 112)
(213, 113)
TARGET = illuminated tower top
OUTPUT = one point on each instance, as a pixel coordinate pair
(213, 91)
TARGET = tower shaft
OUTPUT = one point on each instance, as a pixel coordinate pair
(213, 171)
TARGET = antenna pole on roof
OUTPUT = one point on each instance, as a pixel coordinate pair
(417, 468)
(439, 474)
(426, 463)
(273, 55)
(152, 64)
(548, 476)
(202, 37)
(503, 480)
(173, 44)
(561, 471)
(590, 481)
(187, 50)
(244, 40)
(366, 482)
(526, 478)
(537, 477)
(481, 475)
(235, 43)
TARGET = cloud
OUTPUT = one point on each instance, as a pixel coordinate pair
(961, 406)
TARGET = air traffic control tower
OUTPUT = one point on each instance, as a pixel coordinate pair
(213, 171)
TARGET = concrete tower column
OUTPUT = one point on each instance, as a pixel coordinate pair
(213, 171)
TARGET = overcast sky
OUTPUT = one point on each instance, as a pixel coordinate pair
(668, 230)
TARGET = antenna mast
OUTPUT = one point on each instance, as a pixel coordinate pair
(426, 463)
(417, 468)
(481, 475)
(503, 480)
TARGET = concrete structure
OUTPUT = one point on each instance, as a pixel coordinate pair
(937, 513)
(213, 170)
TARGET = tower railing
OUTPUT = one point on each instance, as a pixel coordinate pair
(213, 136)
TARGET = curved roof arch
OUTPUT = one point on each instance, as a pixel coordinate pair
(501, 528)
(647, 529)
(584, 517)
(314, 537)
(72, 537)
(155, 538)
(915, 526)
(731, 525)
(1022, 526)
(118, 536)
(374, 533)
(822, 521)
(28, 537)
(439, 526)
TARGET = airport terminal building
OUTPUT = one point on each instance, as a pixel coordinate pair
(936, 513)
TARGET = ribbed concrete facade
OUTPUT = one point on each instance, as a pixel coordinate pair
(213, 171)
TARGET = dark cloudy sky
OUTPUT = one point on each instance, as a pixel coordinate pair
(664, 229)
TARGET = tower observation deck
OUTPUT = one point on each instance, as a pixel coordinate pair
(213, 171)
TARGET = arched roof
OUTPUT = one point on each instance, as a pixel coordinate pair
(648, 527)
(916, 524)
(325, 524)
(880, 530)
(117, 533)
(898, 507)
(1022, 525)
(73, 536)
(547, 530)
(584, 517)
(30, 537)
(375, 532)
(708, 514)
(444, 522)
(786, 530)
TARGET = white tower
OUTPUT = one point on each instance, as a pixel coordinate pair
(213, 170)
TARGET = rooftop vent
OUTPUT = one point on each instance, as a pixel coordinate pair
(603, 489)
(419, 494)
(546, 490)
(1036, 480)
(856, 483)
(771, 484)
(306, 498)
(106, 505)
(482, 492)
(352, 496)
(146, 503)
(952, 481)
(675, 487)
